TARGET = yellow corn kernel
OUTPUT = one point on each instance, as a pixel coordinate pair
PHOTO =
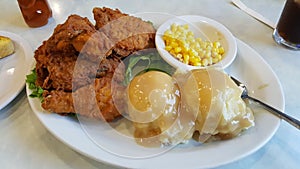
(186, 58)
(194, 61)
(197, 45)
(219, 57)
(189, 39)
(216, 50)
(185, 47)
(208, 54)
(180, 29)
(165, 37)
(199, 40)
(215, 60)
(193, 53)
(201, 54)
(168, 48)
(205, 62)
(177, 34)
(168, 33)
(214, 54)
(197, 64)
(177, 49)
(209, 47)
(169, 41)
(209, 60)
(173, 27)
(172, 52)
(203, 45)
(181, 40)
(216, 44)
(221, 50)
(179, 56)
(190, 33)
(186, 26)
(192, 46)
(173, 44)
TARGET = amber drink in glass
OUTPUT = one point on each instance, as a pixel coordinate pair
(287, 31)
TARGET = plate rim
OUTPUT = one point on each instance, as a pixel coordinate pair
(27, 50)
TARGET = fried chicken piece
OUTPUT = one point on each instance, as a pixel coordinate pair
(77, 65)
(40, 67)
(68, 72)
(77, 36)
(105, 15)
(71, 72)
(64, 34)
(127, 33)
(94, 100)
(56, 57)
(69, 59)
(95, 47)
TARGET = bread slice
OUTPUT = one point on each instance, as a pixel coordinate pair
(6, 47)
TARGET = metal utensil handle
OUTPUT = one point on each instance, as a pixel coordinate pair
(278, 113)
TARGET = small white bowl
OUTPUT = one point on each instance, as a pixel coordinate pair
(205, 28)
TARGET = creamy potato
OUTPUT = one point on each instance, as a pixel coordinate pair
(204, 103)
(154, 108)
(221, 111)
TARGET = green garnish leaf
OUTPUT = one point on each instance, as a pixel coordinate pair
(37, 91)
(141, 63)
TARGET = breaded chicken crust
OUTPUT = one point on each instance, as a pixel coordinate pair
(77, 65)
(127, 33)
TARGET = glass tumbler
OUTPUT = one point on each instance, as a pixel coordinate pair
(287, 31)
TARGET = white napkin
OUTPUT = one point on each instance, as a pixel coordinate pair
(253, 13)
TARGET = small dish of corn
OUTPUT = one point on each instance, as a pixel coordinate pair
(192, 42)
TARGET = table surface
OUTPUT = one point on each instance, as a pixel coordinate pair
(26, 143)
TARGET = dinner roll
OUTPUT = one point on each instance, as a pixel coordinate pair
(6, 47)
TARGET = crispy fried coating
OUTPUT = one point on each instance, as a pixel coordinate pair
(56, 57)
(77, 35)
(69, 59)
(64, 34)
(95, 47)
(94, 100)
(105, 15)
(89, 101)
(77, 65)
(127, 33)
(71, 72)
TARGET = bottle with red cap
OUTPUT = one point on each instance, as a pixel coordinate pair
(36, 13)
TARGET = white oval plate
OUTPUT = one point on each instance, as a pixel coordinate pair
(248, 65)
(14, 68)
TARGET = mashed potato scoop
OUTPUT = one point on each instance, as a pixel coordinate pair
(154, 106)
(222, 113)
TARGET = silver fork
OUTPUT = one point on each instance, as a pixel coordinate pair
(281, 115)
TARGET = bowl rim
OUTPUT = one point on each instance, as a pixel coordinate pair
(189, 19)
